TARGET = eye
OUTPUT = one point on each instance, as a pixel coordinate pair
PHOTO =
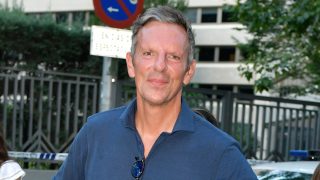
(173, 57)
(147, 53)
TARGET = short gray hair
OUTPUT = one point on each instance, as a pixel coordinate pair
(163, 14)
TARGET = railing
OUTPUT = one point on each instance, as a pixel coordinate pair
(266, 127)
(43, 111)
(276, 125)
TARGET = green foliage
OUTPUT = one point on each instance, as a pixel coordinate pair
(285, 43)
(29, 42)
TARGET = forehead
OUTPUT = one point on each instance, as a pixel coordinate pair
(156, 32)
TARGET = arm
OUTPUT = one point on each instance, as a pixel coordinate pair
(233, 165)
(73, 168)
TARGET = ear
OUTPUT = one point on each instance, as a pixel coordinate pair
(130, 66)
(189, 73)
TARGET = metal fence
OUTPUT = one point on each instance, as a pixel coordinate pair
(43, 111)
(267, 128)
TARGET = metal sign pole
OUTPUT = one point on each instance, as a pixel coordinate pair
(106, 85)
(109, 43)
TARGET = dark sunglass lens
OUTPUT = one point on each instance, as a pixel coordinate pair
(137, 168)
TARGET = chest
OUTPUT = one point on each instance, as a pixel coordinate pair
(169, 158)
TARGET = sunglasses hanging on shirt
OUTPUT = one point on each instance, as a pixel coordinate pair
(137, 168)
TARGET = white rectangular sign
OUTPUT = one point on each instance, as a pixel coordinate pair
(110, 42)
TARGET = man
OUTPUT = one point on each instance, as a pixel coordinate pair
(156, 136)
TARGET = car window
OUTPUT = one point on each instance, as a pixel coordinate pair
(281, 175)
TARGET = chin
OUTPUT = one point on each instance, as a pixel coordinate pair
(155, 101)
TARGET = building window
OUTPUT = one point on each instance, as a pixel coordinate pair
(78, 17)
(227, 54)
(46, 16)
(207, 86)
(33, 15)
(94, 20)
(62, 17)
(227, 16)
(205, 53)
(209, 15)
(191, 15)
(245, 89)
(225, 88)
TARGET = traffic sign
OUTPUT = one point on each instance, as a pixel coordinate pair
(118, 13)
(110, 42)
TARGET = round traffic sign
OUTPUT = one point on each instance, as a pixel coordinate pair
(118, 13)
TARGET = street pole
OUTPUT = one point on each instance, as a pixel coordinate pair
(106, 85)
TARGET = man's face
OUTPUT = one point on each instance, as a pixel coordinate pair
(159, 65)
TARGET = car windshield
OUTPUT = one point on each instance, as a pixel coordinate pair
(282, 175)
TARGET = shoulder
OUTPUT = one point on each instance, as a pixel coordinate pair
(205, 128)
(10, 164)
(105, 117)
(212, 133)
(11, 169)
(102, 123)
(225, 150)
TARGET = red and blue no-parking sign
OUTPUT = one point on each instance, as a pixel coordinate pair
(118, 13)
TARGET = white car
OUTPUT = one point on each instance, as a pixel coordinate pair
(298, 170)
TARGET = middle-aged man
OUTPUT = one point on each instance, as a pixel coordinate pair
(155, 136)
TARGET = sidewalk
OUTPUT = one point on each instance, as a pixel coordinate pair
(32, 174)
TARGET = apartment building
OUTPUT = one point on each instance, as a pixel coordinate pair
(215, 33)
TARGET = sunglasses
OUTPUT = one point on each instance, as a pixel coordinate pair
(137, 168)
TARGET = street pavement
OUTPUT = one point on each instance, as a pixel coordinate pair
(32, 174)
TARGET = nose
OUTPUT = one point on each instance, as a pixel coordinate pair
(160, 63)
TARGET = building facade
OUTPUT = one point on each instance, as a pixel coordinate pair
(215, 34)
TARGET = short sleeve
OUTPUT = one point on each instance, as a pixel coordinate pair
(233, 165)
(73, 168)
(11, 170)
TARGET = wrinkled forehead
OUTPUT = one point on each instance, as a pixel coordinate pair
(163, 32)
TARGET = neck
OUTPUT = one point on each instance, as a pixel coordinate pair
(152, 120)
(155, 119)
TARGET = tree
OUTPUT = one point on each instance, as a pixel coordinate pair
(28, 43)
(285, 44)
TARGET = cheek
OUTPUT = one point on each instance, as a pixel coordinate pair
(179, 76)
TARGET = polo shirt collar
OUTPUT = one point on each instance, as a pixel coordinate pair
(127, 117)
(185, 121)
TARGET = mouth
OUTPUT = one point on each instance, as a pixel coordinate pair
(157, 82)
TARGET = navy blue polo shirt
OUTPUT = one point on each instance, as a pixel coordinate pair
(108, 144)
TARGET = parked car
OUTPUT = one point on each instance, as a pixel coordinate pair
(302, 169)
(293, 170)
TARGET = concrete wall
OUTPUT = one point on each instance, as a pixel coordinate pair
(81, 5)
(209, 3)
(51, 5)
(219, 73)
(219, 34)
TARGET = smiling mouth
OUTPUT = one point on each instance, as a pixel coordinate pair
(158, 82)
